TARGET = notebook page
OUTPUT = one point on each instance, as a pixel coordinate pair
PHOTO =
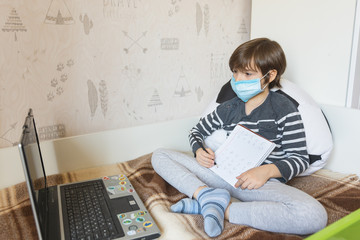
(241, 151)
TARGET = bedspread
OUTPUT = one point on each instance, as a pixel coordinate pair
(339, 194)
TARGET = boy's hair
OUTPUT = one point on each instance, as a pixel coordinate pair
(260, 54)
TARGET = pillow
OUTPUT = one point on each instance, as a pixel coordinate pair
(317, 130)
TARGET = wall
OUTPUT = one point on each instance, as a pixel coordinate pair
(317, 39)
(353, 97)
(87, 66)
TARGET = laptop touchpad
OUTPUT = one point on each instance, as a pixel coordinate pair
(124, 204)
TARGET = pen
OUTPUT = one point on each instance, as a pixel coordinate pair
(201, 145)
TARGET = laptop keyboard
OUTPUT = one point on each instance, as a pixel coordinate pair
(88, 215)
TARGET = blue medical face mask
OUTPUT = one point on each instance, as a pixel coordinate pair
(246, 89)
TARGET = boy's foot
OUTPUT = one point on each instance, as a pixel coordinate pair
(186, 205)
(213, 203)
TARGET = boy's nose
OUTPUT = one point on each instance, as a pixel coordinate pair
(236, 77)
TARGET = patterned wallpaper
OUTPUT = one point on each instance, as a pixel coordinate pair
(87, 66)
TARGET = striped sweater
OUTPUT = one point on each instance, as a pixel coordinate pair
(276, 119)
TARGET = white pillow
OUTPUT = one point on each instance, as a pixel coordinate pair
(318, 135)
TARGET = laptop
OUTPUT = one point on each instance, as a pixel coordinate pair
(104, 208)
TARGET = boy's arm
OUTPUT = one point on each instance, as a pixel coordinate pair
(205, 127)
(256, 177)
(293, 145)
(296, 160)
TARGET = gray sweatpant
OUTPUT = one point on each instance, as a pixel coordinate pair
(274, 207)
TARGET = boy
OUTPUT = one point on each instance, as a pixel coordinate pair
(266, 202)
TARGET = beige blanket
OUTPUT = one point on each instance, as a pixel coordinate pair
(340, 195)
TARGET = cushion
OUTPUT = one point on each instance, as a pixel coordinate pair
(318, 134)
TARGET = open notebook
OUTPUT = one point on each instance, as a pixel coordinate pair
(242, 150)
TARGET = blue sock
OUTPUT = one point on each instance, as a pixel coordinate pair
(213, 204)
(186, 205)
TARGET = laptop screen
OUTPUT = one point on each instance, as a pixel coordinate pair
(34, 169)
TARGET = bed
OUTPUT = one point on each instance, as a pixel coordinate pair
(338, 191)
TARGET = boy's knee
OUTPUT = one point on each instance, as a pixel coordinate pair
(315, 219)
(156, 157)
(321, 217)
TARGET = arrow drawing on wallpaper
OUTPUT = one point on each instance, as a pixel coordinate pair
(131, 113)
(135, 42)
(31, 60)
(12, 127)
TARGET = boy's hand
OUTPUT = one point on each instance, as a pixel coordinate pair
(205, 159)
(256, 177)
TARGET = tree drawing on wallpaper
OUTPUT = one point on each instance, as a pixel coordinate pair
(242, 29)
(202, 18)
(3, 136)
(93, 97)
(58, 13)
(182, 86)
(57, 83)
(13, 24)
(135, 42)
(155, 100)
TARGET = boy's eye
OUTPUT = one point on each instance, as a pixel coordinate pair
(248, 74)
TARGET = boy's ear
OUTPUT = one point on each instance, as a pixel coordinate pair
(272, 74)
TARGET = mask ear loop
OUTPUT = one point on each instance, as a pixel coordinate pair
(262, 89)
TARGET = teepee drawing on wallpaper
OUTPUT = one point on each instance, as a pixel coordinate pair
(182, 86)
(14, 23)
(58, 13)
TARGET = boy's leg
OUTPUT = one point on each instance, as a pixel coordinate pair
(274, 207)
(277, 207)
(186, 205)
(185, 174)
